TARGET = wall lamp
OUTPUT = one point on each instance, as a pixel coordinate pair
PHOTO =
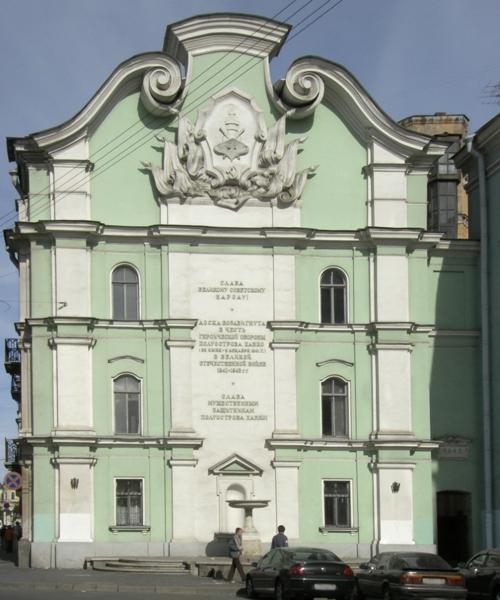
(74, 483)
(395, 485)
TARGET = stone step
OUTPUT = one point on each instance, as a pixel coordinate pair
(139, 565)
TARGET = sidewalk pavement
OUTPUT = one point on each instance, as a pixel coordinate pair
(87, 580)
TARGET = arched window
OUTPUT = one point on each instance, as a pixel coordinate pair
(127, 398)
(333, 296)
(125, 290)
(335, 408)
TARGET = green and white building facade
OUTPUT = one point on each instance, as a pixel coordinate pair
(228, 292)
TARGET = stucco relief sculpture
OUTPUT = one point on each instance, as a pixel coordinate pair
(229, 156)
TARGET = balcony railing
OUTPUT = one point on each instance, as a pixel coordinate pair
(12, 356)
(12, 454)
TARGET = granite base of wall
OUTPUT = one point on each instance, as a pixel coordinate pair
(72, 555)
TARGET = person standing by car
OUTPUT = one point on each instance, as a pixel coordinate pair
(280, 540)
(235, 547)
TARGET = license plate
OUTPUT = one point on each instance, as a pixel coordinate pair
(434, 580)
(325, 586)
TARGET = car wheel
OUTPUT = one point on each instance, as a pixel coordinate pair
(251, 593)
(279, 591)
(387, 595)
(496, 594)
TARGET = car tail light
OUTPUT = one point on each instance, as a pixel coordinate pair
(455, 580)
(296, 570)
(410, 578)
(347, 571)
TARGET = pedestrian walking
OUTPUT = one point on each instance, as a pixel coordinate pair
(280, 540)
(235, 548)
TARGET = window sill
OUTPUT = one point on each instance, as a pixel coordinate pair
(325, 529)
(136, 528)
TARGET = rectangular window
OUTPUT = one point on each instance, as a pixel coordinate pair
(443, 208)
(129, 502)
(337, 503)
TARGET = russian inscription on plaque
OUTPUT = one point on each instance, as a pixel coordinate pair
(232, 354)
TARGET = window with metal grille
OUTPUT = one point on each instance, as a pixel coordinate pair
(127, 398)
(337, 503)
(125, 291)
(334, 408)
(129, 502)
(333, 289)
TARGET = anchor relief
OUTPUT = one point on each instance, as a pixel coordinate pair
(229, 157)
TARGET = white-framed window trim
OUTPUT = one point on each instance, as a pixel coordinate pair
(118, 524)
(341, 518)
(139, 291)
(141, 404)
(347, 396)
(346, 316)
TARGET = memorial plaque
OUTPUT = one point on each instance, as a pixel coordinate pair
(232, 360)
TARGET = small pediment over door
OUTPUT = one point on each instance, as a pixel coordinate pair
(235, 465)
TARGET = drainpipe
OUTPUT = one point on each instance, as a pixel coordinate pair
(485, 344)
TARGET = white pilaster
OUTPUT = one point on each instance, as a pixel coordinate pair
(181, 397)
(284, 287)
(287, 496)
(71, 182)
(285, 391)
(388, 194)
(391, 286)
(26, 407)
(395, 501)
(393, 400)
(72, 282)
(183, 499)
(75, 494)
(73, 411)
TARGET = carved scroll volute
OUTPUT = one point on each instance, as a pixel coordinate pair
(303, 89)
(161, 87)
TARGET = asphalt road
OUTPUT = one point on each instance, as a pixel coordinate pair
(223, 591)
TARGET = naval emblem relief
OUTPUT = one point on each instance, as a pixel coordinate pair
(230, 156)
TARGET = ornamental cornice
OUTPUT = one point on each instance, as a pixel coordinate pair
(316, 327)
(113, 441)
(95, 323)
(225, 32)
(126, 77)
(348, 444)
(72, 341)
(76, 460)
(456, 247)
(312, 80)
(299, 237)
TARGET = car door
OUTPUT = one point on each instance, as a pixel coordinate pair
(258, 574)
(271, 570)
(486, 574)
(370, 580)
(474, 576)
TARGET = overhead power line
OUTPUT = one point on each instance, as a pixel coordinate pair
(191, 106)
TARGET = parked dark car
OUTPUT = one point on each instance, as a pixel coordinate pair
(301, 573)
(395, 575)
(482, 575)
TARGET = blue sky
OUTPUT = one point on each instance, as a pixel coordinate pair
(413, 57)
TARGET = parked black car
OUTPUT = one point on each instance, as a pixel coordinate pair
(482, 575)
(301, 573)
(395, 575)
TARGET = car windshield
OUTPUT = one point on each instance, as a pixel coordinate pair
(421, 561)
(312, 554)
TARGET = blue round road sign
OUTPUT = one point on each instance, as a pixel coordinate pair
(12, 480)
